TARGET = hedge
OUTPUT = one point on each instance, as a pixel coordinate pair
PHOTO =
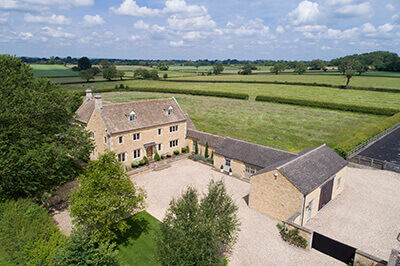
(290, 83)
(329, 105)
(240, 96)
(346, 146)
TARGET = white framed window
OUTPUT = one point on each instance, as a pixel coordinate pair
(249, 169)
(136, 136)
(338, 182)
(136, 153)
(173, 128)
(132, 116)
(159, 131)
(121, 157)
(170, 110)
(173, 143)
(159, 146)
(105, 140)
(121, 139)
(227, 162)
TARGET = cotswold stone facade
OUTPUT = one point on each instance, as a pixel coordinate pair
(136, 129)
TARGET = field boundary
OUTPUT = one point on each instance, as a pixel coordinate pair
(314, 84)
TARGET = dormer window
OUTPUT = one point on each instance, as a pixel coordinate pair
(170, 110)
(132, 116)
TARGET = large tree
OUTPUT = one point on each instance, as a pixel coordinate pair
(39, 146)
(300, 68)
(199, 233)
(218, 68)
(110, 72)
(84, 63)
(105, 197)
(278, 68)
(317, 64)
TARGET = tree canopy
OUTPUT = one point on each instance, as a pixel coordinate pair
(84, 63)
(218, 68)
(300, 68)
(105, 197)
(39, 146)
(278, 68)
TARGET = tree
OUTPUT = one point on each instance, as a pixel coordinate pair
(104, 63)
(165, 76)
(141, 73)
(86, 74)
(162, 66)
(206, 151)
(154, 74)
(246, 70)
(83, 249)
(278, 68)
(301, 68)
(199, 233)
(105, 196)
(84, 63)
(349, 70)
(218, 68)
(39, 146)
(359, 67)
(110, 72)
(120, 74)
(317, 64)
(196, 147)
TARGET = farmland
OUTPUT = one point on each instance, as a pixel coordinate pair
(355, 97)
(53, 71)
(291, 128)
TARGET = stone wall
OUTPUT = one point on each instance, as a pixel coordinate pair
(361, 258)
(306, 233)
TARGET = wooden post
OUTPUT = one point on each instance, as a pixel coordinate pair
(384, 165)
(359, 159)
(372, 162)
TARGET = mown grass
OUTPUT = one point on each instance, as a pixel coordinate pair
(355, 97)
(286, 127)
(356, 81)
(138, 246)
(53, 71)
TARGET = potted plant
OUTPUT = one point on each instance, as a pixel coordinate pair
(230, 171)
(221, 168)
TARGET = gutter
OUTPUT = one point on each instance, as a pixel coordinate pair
(302, 209)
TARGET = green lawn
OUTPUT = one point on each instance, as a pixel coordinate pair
(356, 81)
(138, 246)
(356, 97)
(291, 128)
(53, 71)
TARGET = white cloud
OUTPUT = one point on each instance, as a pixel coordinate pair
(90, 20)
(338, 34)
(280, 30)
(386, 27)
(57, 33)
(310, 28)
(205, 22)
(141, 25)
(134, 37)
(306, 12)
(368, 28)
(4, 17)
(363, 9)
(177, 44)
(250, 28)
(40, 5)
(390, 7)
(25, 35)
(192, 35)
(229, 24)
(325, 48)
(129, 7)
(85, 39)
(157, 29)
(47, 18)
(180, 6)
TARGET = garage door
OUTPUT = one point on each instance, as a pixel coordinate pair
(326, 194)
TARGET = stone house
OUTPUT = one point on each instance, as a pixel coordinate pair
(202, 139)
(134, 129)
(300, 186)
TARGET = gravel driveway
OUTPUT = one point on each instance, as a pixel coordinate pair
(366, 215)
(259, 241)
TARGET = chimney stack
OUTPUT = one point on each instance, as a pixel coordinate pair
(88, 94)
(98, 102)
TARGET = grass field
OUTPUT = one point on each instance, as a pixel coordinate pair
(286, 127)
(139, 245)
(355, 97)
(53, 71)
(357, 81)
(200, 68)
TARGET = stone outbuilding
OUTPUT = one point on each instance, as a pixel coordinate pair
(304, 184)
(202, 139)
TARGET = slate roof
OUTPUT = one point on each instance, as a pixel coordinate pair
(85, 111)
(250, 153)
(189, 123)
(310, 168)
(149, 113)
(214, 141)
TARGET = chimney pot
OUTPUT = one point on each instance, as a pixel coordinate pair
(98, 101)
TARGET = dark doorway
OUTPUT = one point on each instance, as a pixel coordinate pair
(333, 248)
(326, 194)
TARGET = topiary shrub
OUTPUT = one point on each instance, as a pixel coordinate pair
(157, 157)
(176, 152)
(185, 149)
(135, 164)
(206, 151)
(146, 161)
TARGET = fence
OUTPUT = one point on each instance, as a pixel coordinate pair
(375, 163)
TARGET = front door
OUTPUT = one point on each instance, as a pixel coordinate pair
(326, 194)
(149, 152)
(227, 165)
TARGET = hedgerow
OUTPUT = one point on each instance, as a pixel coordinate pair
(346, 146)
(231, 95)
(329, 105)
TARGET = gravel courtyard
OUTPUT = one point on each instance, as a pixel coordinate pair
(366, 215)
(259, 240)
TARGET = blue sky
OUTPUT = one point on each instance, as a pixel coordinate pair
(187, 29)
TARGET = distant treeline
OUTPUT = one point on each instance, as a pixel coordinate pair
(379, 60)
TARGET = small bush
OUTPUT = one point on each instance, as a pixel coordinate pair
(135, 164)
(168, 154)
(142, 162)
(146, 161)
(157, 157)
(163, 156)
(121, 86)
(185, 149)
(176, 152)
(195, 157)
(293, 237)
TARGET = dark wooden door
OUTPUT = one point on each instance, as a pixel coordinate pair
(333, 248)
(326, 194)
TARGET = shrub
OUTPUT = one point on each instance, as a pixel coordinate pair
(293, 237)
(196, 147)
(176, 152)
(142, 162)
(135, 164)
(329, 105)
(163, 156)
(157, 157)
(222, 167)
(195, 157)
(146, 161)
(168, 154)
(206, 151)
(185, 149)
(121, 86)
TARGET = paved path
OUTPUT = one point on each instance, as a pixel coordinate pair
(387, 148)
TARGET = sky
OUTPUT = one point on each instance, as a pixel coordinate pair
(209, 29)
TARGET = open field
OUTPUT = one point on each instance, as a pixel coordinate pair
(354, 97)
(200, 67)
(286, 127)
(356, 81)
(53, 71)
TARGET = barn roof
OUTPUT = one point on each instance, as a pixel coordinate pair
(310, 168)
(214, 141)
(250, 153)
